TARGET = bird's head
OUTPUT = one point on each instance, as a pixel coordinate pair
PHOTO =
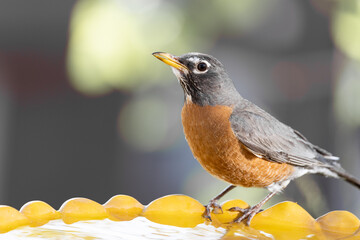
(202, 77)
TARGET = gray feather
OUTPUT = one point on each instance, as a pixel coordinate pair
(265, 136)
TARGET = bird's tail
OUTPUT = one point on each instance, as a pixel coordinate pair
(347, 177)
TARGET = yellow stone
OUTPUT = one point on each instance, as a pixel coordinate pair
(227, 216)
(340, 224)
(175, 210)
(123, 208)
(10, 218)
(286, 220)
(39, 213)
(77, 209)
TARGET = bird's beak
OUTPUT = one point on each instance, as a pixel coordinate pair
(170, 60)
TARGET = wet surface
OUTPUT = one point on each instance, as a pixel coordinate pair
(168, 217)
(142, 228)
(139, 228)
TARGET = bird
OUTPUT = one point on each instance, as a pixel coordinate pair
(237, 141)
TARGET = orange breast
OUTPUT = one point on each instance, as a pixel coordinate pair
(208, 132)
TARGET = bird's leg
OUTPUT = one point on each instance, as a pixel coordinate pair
(249, 213)
(213, 204)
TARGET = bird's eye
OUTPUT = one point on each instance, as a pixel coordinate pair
(202, 66)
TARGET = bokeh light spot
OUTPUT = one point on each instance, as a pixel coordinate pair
(347, 94)
(144, 123)
(111, 42)
(346, 28)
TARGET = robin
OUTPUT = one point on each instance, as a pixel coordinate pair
(237, 141)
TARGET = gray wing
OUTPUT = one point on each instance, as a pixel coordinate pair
(268, 138)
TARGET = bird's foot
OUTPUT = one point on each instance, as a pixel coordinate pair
(212, 206)
(245, 213)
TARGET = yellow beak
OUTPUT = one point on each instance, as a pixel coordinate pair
(170, 60)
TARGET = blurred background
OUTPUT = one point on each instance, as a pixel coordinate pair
(86, 110)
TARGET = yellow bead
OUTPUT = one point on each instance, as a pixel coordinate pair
(339, 224)
(39, 213)
(227, 216)
(77, 209)
(123, 208)
(176, 210)
(10, 218)
(286, 220)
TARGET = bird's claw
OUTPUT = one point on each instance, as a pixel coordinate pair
(238, 209)
(245, 213)
(212, 206)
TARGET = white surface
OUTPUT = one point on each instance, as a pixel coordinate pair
(139, 228)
